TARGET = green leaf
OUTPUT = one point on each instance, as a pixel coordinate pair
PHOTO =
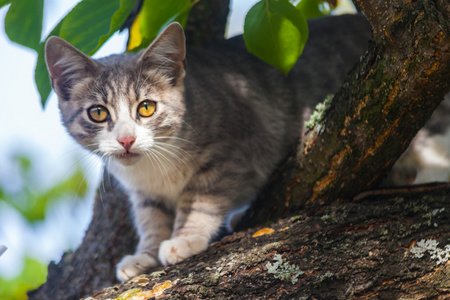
(313, 8)
(24, 162)
(156, 15)
(41, 76)
(91, 22)
(33, 204)
(117, 20)
(33, 275)
(98, 33)
(4, 2)
(73, 186)
(276, 32)
(23, 22)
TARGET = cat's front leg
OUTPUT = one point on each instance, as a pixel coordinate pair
(198, 219)
(154, 222)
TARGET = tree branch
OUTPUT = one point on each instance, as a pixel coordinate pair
(207, 22)
(353, 250)
(386, 99)
(91, 267)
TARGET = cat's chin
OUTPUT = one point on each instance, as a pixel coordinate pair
(127, 158)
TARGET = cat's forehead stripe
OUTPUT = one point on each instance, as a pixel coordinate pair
(131, 92)
(74, 116)
(112, 92)
(118, 90)
(99, 90)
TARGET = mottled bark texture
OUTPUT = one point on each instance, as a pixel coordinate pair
(207, 22)
(346, 249)
(109, 237)
(353, 250)
(386, 99)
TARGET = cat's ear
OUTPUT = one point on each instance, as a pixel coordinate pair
(66, 64)
(167, 54)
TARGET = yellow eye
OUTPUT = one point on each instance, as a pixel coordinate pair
(146, 108)
(98, 113)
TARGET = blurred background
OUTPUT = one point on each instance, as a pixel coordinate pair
(47, 181)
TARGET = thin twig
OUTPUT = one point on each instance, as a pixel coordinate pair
(415, 189)
(2, 249)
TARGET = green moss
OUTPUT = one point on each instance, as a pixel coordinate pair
(189, 279)
(317, 116)
(212, 279)
(157, 274)
(282, 270)
(325, 276)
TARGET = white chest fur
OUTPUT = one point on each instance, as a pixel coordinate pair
(155, 178)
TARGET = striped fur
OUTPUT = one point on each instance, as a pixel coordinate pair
(205, 152)
(213, 141)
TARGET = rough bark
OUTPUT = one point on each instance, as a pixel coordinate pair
(386, 99)
(109, 237)
(347, 249)
(353, 250)
(207, 22)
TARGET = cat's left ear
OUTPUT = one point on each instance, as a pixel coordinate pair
(167, 54)
(66, 65)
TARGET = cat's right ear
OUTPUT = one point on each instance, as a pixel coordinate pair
(167, 54)
(66, 64)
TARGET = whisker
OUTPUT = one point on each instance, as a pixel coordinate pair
(173, 164)
(174, 147)
(157, 162)
(165, 157)
(174, 138)
(178, 156)
(189, 125)
(159, 156)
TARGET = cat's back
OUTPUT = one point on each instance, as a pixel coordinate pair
(236, 100)
(334, 45)
(232, 94)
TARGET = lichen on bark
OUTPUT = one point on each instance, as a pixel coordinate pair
(347, 250)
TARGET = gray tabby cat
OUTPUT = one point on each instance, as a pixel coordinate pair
(189, 150)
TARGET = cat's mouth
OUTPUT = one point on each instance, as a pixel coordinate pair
(127, 154)
(127, 157)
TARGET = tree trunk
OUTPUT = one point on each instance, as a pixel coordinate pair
(207, 22)
(386, 99)
(110, 236)
(346, 249)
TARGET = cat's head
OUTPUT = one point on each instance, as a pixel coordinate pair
(116, 106)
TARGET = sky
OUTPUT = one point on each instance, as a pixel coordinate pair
(25, 127)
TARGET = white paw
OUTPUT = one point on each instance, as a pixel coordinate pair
(178, 249)
(133, 265)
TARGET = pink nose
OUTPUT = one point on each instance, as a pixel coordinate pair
(127, 142)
